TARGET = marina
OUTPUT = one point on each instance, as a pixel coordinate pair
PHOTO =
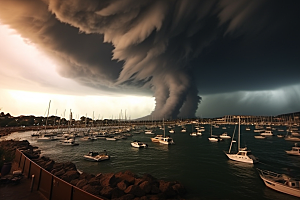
(200, 165)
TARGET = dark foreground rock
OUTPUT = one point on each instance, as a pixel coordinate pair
(118, 186)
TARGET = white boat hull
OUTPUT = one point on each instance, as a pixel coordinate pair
(281, 187)
(239, 158)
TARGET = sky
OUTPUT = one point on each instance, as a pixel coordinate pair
(149, 59)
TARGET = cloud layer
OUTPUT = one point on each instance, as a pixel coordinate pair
(174, 49)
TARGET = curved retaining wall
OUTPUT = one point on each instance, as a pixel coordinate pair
(49, 185)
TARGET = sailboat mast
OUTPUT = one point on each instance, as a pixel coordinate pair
(239, 138)
(164, 128)
(47, 115)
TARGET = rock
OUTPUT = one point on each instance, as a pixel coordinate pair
(70, 175)
(59, 173)
(116, 193)
(108, 180)
(94, 181)
(166, 188)
(58, 166)
(135, 190)
(70, 166)
(49, 165)
(98, 176)
(74, 182)
(126, 197)
(138, 181)
(95, 190)
(86, 176)
(149, 178)
(180, 189)
(127, 176)
(81, 183)
(154, 189)
(106, 191)
(156, 197)
(145, 186)
(122, 185)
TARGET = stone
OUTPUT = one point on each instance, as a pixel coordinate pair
(106, 191)
(138, 181)
(58, 166)
(166, 188)
(59, 173)
(49, 165)
(135, 190)
(81, 183)
(70, 166)
(94, 181)
(145, 186)
(70, 175)
(127, 176)
(74, 182)
(154, 189)
(108, 180)
(95, 190)
(116, 193)
(122, 185)
(180, 189)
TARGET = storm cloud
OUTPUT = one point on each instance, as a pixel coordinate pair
(175, 50)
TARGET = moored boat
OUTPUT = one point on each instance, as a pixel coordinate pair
(157, 138)
(68, 142)
(138, 144)
(96, 156)
(280, 182)
(243, 154)
(225, 136)
(295, 151)
(167, 140)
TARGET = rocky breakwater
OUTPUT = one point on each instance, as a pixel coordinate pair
(118, 186)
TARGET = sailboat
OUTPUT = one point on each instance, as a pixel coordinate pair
(213, 138)
(166, 140)
(243, 155)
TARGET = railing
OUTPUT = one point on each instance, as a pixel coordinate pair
(49, 185)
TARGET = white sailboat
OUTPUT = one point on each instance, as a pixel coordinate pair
(213, 138)
(166, 140)
(243, 155)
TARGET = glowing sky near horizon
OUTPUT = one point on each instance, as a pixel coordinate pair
(26, 88)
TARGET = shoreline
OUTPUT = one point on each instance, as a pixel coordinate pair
(120, 185)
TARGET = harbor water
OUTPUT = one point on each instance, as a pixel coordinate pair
(199, 164)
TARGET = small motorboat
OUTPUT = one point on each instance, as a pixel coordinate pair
(199, 132)
(267, 133)
(214, 139)
(96, 156)
(171, 131)
(167, 140)
(68, 142)
(280, 182)
(295, 151)
(194, 134)
(149, 132)
(225, 136)
(138, 144)
(157, 138)
(259, 137)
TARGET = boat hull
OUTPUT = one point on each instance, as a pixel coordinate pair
(240, 158)
(280, 187)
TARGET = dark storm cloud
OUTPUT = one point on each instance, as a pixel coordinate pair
(177, 49)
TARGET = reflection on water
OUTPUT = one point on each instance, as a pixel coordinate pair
(199, 164)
